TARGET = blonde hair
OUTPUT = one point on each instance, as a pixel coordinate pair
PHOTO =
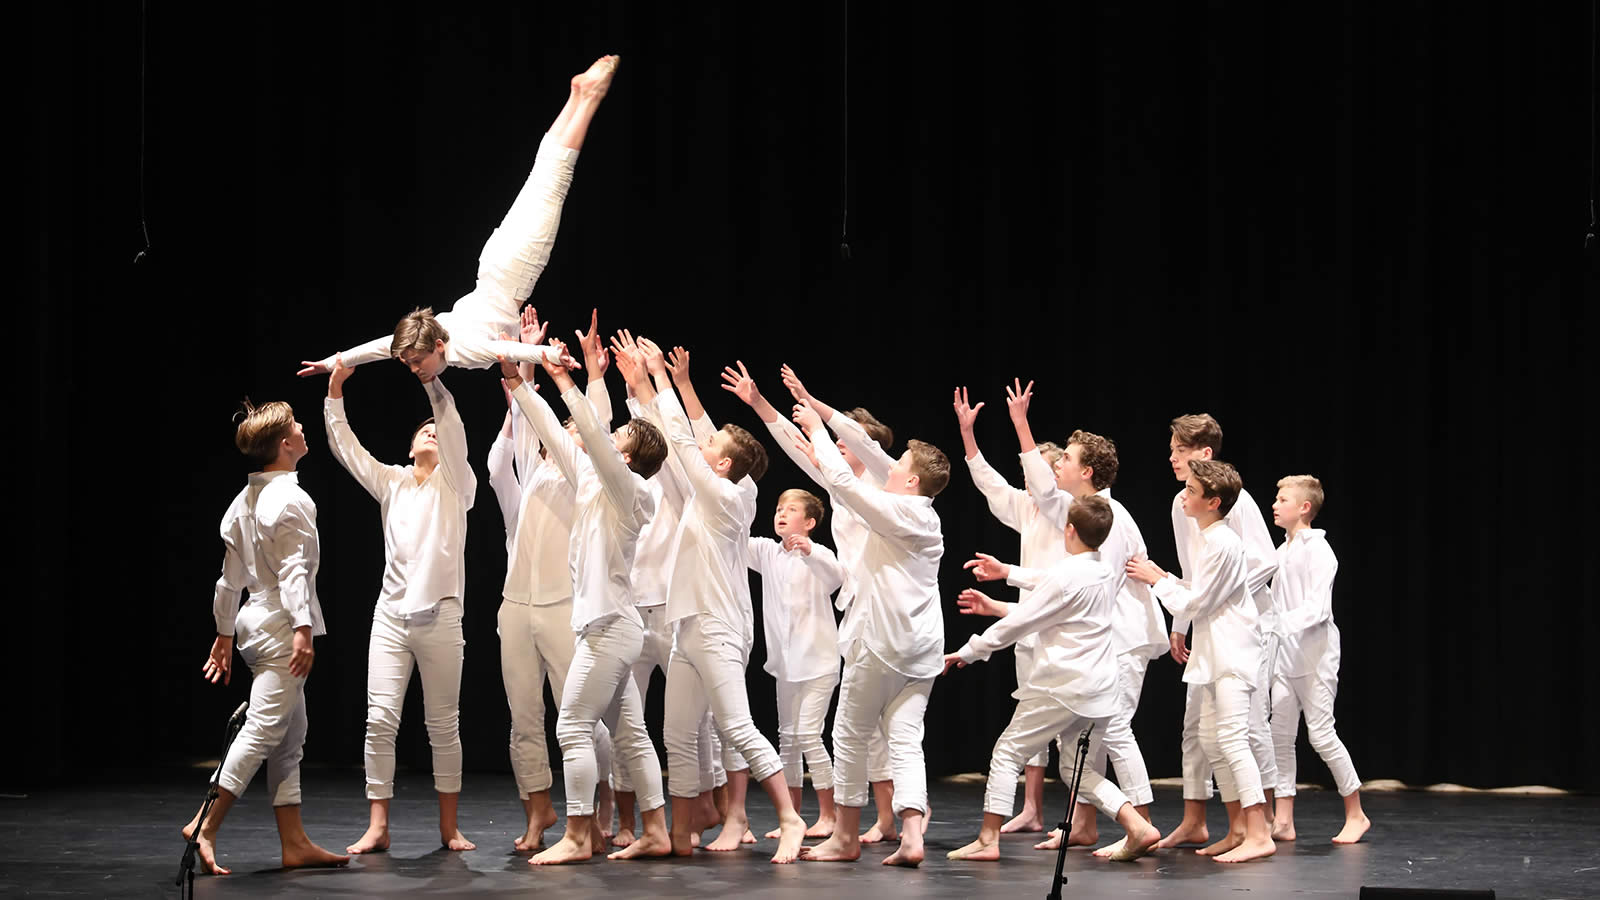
(930, 465)
(1052, 452)
(1198, 431)
(1309, 487)
(419, 331)
(808, 501)
(874, 429)
(1217, 479)
(264, 427)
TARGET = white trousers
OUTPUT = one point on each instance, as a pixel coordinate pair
(654, 653)
(536, 643)
(1225, 735)
(802, 711)
(516, 253)
(1196, 766)
(432, 642)
(275, 730)
(1032, 726)
(1314, 696)
(598, 687)
(1116, 736)
(1024, 659)
(1260, 717)
(875, 699)
(707, 672)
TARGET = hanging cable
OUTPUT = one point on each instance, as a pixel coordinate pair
(844, 190)
(1594, 94)
(144, 225)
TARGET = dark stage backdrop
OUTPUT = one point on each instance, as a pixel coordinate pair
(1352, 233)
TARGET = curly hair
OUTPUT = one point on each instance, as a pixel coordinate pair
(1098, 453)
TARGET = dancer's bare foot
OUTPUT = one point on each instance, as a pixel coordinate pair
(455, 841)
(1141, 841)
(1187, 832)
(309, 856)
(648, 845)
(823, 828)
(1078, 839)
(533, 838)
(188, 830)
(1284, 830)
(978, 851)
(834, 849)
(624, 837)
(881, 832)
(376, 840)
(208, 855)
(1352, 831)
(565, 850)
(791, 834)
(1248, 850)
(732, 834)
(1027, 820)
(1229, 841)
(597, 80)
(907, 857)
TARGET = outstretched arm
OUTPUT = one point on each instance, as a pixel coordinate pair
(369, 473)
(872, 455)
(452, 434)
(741, 385)
(677, 363)
(1017, 399)
(1043, 606)
(560, 449)
(502, 477)
(881, 510)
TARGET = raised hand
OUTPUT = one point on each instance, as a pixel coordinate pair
(219, 662)
(798, 542)
(531, 330)
(1018, 398)
(976, 603)
(509, 376)
(740, 383)
(966, 414)
(557, 369)
(809, 449)
(792, 382)
(987, 568)
(654, 360)
(593, 350)
(314, 367)
(807, 418)
(678, 365)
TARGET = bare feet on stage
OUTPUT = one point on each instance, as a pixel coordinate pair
(977, 851)
(376, 840)
(1187, 832)
(623, 837)
(455, 840)
(303, 854)
(823, 828)
(1352, 831)
(538, 821)
(1140, 841)
(646, 845)
(1247, 850)
(735, 831)
(1079, 838)
(791, 835)
(1283, 830)
(881, 831)
(838, 848)
(1229, 841)
(1027, 820)
(564, 851)
(208, 855)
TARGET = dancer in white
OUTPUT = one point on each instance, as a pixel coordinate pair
(472, 333)
(417, 619)
(1200, 437)
(535, 618)
(896, 643)
(1040, 549)
(1225, 661)
(608, 473)
(1073, 683)
(271, 550)
(798, 578)
(1307, 670)
(708, 600)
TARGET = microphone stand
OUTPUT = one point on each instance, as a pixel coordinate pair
(185, 879)
(1078, 759)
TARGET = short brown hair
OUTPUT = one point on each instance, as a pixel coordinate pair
(874, 429)
(1217, 479)
(746, 452)
(1098, 453)
(1091, 517)
(808, 501)
(1197, 431)
(646, 447)
(930, 465)
(423, 424)
(1051, 451)
(262, 429)
(418, 331)
(758, 469)
(1309, 487)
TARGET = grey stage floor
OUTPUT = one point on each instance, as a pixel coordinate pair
(120, 840)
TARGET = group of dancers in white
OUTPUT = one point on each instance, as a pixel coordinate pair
(629, 549)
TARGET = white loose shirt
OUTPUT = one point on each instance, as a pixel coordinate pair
(1070, 607)
(472, 345)
(1302, 592)
(1247, 522)
(1227, 640)
(1043, 543)
(849, 529)
(611, 506)
(797, 609)
(896, 609)
(1138, 626)
(271, 549)
(424, 525)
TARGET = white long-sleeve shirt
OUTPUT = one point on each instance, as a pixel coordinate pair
(1302, 592)
(610, 507)
(1227, 640)
(707, 568)
(472, 345)
(1260, 558)
(536, 502)
(1070, 607)
(1042, 543)
(670, 485)
(1138, 626)
(271, 550)
(896, 610)
(849, 529)
(797, 609)
(424, 524)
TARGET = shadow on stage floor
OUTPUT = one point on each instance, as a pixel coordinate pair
(121, 840)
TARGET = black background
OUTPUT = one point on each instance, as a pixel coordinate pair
(1352, 232)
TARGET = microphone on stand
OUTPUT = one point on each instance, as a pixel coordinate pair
(238, 714)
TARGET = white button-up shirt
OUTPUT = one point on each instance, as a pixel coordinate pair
(1247, 522)
(424, 524)
(1227, 640)
(472, 345)
(1302, 592)
(896, 609)
(271, 550)
(1043, 543)
(849, 529)
(797, 610)
(610, 507)
(1070, 607)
